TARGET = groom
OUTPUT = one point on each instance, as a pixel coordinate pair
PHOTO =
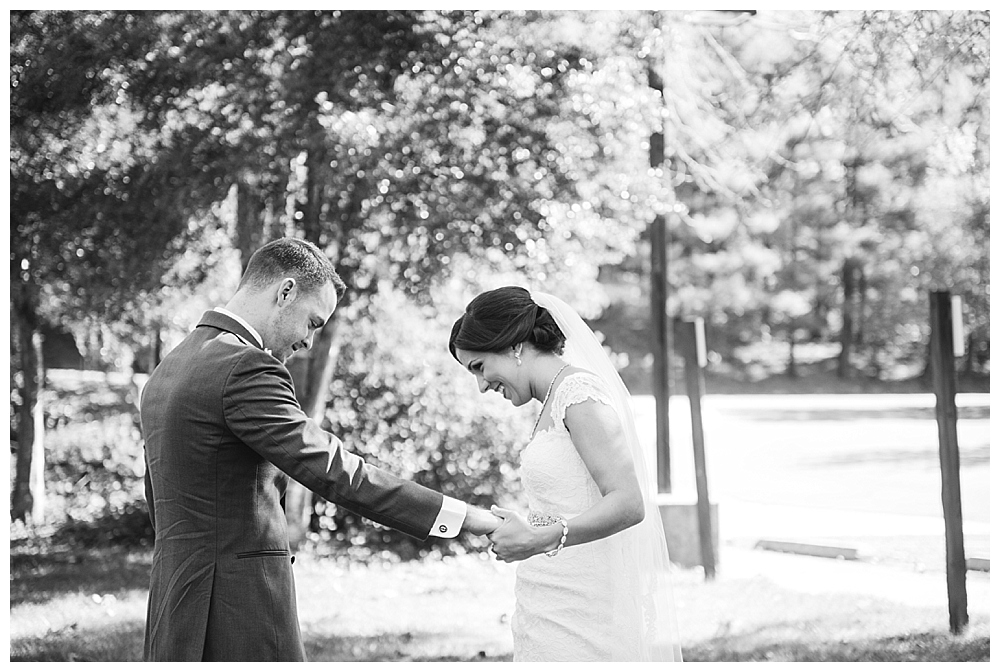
(223, 433)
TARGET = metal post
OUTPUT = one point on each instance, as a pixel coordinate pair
(692, 342)
(943, 372)
(660, 323)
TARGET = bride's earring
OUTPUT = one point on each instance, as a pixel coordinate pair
(517, 356)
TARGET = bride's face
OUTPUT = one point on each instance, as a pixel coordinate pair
(497, 372)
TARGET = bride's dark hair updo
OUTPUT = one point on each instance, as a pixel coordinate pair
(500, 319)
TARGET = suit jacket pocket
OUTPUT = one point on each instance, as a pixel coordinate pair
(262, 554)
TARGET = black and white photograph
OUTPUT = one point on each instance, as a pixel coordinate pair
(525, 335)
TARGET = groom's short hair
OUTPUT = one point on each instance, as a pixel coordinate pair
(291, 258)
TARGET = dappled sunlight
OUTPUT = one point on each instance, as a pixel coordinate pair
(799, 182)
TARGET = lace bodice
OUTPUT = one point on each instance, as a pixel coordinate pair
(554, 475)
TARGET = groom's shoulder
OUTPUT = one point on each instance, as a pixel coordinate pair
(208, 349)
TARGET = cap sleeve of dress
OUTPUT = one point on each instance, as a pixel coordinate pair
(575, 388)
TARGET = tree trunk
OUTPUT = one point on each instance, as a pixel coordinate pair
(28, 496)
(793, 369)
(249, 224)
(861, 306)
(316, 184)
(847, 311)
(157, 349)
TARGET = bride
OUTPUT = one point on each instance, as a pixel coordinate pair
(593, 583)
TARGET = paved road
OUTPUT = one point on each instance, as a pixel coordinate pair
(857, 469)
(865, 580)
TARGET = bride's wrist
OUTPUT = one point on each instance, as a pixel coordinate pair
(553, 539)
(548, 538)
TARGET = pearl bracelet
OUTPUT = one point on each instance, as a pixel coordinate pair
(562, 541)
(542, 520)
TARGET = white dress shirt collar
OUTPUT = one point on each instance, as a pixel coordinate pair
(253, 332)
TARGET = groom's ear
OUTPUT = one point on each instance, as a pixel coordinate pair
(287, 290)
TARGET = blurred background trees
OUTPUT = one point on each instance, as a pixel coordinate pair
(823, 171)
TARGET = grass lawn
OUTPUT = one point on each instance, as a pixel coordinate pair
(89, 605)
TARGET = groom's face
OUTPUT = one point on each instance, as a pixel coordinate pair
(296, 316)
(497, 372)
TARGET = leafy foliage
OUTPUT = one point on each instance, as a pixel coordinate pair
(95, 460)
(828, 146)
(96, 200)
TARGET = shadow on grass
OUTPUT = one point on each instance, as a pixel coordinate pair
(83, 644)
(971, 457)
(924, 646)
(123, 643)
(39, 575)
(978, 412)
(782, 627)
(120, 642)
(408, 646)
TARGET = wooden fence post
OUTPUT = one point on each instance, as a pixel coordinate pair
(943, 372)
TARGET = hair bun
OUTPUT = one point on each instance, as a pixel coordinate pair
(545, 333)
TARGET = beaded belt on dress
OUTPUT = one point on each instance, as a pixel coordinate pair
(536, 519)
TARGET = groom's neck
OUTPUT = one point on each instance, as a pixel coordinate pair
(250, 307)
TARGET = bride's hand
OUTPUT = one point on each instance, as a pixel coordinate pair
(515, 539)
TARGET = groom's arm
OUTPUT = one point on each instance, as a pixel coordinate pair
(456, 516)
(261, 410)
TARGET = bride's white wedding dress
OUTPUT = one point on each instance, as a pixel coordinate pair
(582, 604)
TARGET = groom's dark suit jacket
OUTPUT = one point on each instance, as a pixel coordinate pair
(222, 429)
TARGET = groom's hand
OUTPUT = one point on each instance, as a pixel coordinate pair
(480, 521)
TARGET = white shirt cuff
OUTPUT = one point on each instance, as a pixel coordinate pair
(449, 519)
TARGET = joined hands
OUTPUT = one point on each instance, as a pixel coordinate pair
(513, 537)
(480, 521)
(516, 539)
